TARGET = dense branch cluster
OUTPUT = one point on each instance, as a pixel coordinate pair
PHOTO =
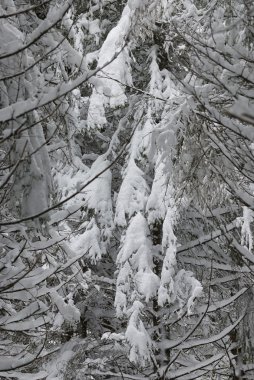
(126, 189)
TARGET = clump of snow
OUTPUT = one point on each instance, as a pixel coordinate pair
(132, 195)
(187, 288)
(158, 200)
(88, 243)
(245, 221)
(114, 61)
(136, 265)
(141, 346)
(66, 307)
(166, 291)
(98, 194)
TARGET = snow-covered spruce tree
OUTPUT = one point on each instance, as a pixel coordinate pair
(152, 294)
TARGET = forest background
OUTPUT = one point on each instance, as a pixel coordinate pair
(126, 189)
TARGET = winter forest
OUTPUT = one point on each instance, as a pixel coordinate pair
(126, 189)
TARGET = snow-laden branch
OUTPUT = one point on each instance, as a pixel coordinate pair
(81, 188)
(24, 10)
(52, 19)
(23, 107)
(200, 342)
(188, 370)
(206, 238)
